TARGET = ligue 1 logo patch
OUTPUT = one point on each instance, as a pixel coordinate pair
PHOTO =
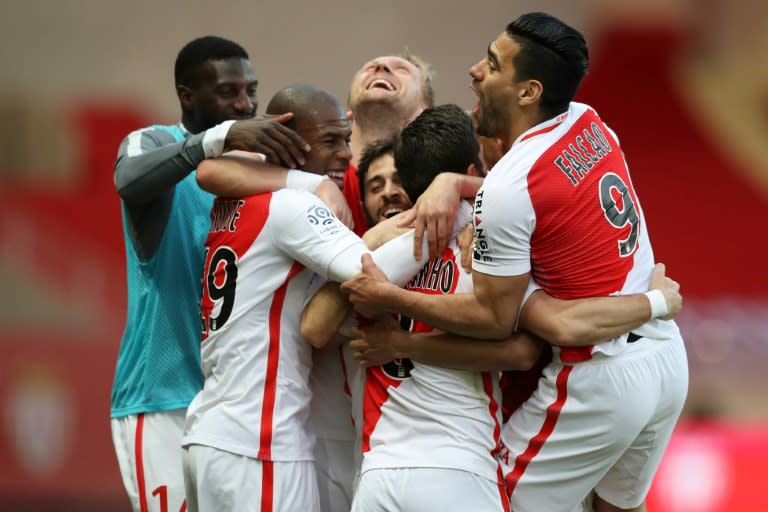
(324, 222)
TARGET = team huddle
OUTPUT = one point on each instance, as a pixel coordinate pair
(404, 306)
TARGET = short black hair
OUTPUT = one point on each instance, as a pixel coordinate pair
(553, 53)
(301, 99)
(441, 139)
(371, 153)
(201, 50)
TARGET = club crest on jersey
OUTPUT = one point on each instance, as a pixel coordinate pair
(324, 222)
(398, 369)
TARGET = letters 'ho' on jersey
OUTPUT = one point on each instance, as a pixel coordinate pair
(418, 415)
(561, 205)
(255, 400)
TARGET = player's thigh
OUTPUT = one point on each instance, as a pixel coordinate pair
(430, 489)
(427, 490)
(335, 466)
(225, 481)
(378, 490)
(148, 448)
(627, 483)
(565, 438)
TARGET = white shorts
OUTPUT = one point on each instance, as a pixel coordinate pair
(148, 448)
(223, 481)
(602, 424)
(335, 466)
(428, 490)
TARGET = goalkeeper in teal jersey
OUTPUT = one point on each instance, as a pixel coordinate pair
(165, 222)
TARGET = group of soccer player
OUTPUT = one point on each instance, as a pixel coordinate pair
(350, 359)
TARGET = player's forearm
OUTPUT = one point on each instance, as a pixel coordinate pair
(324, 314)
(143, 177)
(461, 313)
(468, 186)
(583, 321)
(235, 175)
(519, 352)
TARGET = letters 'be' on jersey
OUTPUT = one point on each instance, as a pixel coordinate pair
(561, 205)
(418, 415)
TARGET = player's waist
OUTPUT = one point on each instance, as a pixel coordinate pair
(478, 460)
(628, 345)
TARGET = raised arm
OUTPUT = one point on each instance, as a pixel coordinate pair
(435, 210)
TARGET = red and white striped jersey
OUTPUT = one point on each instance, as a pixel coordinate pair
(418, 415)
(255, 400)
(561, 205)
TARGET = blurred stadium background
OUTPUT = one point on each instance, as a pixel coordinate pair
(683, 82)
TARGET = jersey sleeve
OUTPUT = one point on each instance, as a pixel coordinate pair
(303, 227)
(504, 223)
(149, 161)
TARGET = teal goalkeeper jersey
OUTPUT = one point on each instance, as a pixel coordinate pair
(158, 367)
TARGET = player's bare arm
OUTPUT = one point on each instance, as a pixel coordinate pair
(489, 312)
(588, 321)
(323, 315)
(435, 210)
(242, 173)
(384, 340)
(577, 322)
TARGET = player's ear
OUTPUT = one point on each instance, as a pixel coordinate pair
(184, 94)
(473, 170)
(530, 92)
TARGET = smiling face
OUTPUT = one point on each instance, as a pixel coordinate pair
(384, 195)
(327, 130)
(225, 90)
(389, 80)
(493, 81)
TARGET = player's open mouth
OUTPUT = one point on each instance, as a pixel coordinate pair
(380, 83)
(337, 176)
(391, 211)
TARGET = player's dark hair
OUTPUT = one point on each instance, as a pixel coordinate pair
(201, 50)
(371, 153)
(553, 53)
(441, 139)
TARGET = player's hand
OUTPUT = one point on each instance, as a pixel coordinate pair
(670, 289)
(268, 136)
(379, 342)
(331, 195)
(369, 290)
(435, 212)
(384, 231)
(466, 241)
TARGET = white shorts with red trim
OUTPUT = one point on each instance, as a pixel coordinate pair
(223, 481)
(601, 424)
(148, 448)
(428, 490)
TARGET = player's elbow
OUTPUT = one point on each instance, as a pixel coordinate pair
(206, 176)
(316, 335)
(520, 352)
(565, 332)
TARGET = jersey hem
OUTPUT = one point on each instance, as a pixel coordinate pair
(250, 452)
(138, 409)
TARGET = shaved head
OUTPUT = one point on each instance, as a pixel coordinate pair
(305, 101)
(321, 120)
